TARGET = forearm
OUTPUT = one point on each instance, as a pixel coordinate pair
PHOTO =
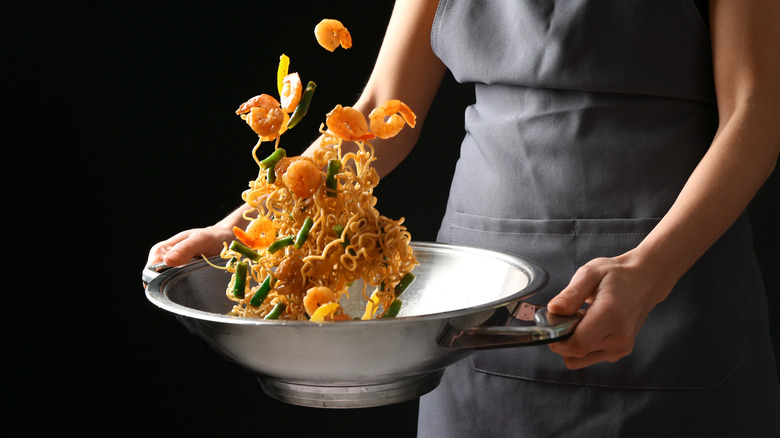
(406, 69)
(718, 191)
(745, 149)
(235, 218)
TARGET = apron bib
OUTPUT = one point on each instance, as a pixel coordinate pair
(589, 118)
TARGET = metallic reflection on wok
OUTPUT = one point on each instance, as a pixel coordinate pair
(462, 299)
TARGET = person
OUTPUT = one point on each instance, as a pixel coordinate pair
(618, 145)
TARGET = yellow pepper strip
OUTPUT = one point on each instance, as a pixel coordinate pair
(371, 306)
(323, 311)
(284, 66)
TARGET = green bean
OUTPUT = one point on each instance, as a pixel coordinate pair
(239, 283)
(244, 250)
(277, 311)
(281, 243)
(303, 106)
(339, 230)
(303, 233)
(331, 185)
(274, 158)
(404, 283)
(393, 309)
(262, 292)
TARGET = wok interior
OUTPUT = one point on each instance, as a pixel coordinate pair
(447, 279)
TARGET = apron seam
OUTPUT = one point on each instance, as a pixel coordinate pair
(587, 384)
(515, 233)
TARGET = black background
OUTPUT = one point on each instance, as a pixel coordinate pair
(122, 132)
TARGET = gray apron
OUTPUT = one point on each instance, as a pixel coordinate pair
(589, 118)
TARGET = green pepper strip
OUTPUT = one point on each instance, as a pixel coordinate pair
(281, 243)
(274, 158)
(271, 175)
(277, 311)
(244, 250)
(304, 232)
(330, 181)
(303, 106)
(392, 309)
(404, 283)
(240, 282)
(262, 292)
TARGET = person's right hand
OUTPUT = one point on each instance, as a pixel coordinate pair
(187, 245)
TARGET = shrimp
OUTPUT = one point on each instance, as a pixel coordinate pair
(348, 124)
(291, 91)
(302, 177)
(318, 296)
(264, 115)
(260, 233)
(331, 34)
(394, 122)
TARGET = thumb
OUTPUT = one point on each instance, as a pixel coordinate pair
(573, 296)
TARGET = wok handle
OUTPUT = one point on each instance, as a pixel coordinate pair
(529, 325)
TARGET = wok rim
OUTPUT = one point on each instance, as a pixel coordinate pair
(538, 278)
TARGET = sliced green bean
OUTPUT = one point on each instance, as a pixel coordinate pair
(244, 250)
(274, 158)
(331, 185)
(262, 292)
(239, 283)
(303, 105)
(277, 311)
(406, 280)
(303, 233)
(281, 243)
(393, 309)
(339, 230)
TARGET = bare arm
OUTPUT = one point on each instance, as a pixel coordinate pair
(623, 290)
(406, 69)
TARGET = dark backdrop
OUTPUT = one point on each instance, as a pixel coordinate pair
(123, 133)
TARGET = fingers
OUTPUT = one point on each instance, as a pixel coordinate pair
(187, 245)
(599, 337)
(580, 289)
(617, 310)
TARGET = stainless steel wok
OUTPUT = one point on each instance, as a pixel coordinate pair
(462, 299)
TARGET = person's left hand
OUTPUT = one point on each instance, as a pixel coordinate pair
(620, 293)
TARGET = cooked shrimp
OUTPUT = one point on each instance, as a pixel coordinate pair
(260, 233)
(348, 124)
(318, 296)
(261, 100)
(264, 115)
(331, 34)
(292, 88)
(302, 177)
(386, 121)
